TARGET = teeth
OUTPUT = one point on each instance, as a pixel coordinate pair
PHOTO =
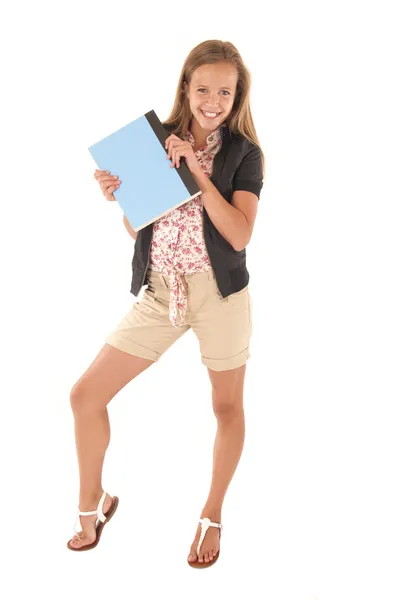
(208, 114)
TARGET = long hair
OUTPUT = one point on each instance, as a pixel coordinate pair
(240, 119)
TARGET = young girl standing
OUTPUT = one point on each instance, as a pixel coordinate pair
(193, 261)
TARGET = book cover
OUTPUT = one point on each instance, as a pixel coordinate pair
(149, 187)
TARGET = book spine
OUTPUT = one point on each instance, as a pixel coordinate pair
(161, 134)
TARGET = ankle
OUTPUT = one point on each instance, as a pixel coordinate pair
(89, 500)
(212, 512)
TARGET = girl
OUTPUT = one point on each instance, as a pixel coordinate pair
(194, 265)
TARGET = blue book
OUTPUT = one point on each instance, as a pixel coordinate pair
(150, 187)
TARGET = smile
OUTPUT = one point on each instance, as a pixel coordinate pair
(209, 115)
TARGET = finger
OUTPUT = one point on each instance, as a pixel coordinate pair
(100, 176)
(111, 187)
(108, 178)
(178, 152)
(109, 192)
(105, 185)
(172, 136)
(99, 172)
(177, 157)
(171, 143)
(169, 148)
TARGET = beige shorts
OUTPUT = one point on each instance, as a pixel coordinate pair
(223, 326)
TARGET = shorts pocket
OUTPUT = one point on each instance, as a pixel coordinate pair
(152, 292)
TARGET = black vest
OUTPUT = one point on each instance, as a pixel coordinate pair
(229, 265)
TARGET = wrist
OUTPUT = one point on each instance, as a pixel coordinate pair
(197, 172)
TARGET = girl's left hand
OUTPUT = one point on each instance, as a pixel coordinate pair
(177, 148)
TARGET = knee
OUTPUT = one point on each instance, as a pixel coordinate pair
(227, 408)
(80, 399)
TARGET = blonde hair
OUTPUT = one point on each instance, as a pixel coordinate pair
(240, 119)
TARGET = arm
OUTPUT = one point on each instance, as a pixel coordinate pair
(235, 221)
(128, 227)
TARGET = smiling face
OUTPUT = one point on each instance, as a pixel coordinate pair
(212, 91)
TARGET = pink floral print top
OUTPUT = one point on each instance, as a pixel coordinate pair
(178, 245)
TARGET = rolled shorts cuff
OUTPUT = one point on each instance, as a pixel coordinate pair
(226, 364)
(127, 345)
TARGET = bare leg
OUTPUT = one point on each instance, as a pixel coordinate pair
(111, 370)
(227, 395)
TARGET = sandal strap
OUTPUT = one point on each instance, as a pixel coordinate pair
(98, 512)
(210, 523)
(205, 524)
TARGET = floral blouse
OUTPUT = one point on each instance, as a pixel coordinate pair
(178, 245)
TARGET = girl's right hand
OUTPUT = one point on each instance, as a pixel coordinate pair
(108, 183)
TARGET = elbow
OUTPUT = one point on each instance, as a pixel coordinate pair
(242, 244)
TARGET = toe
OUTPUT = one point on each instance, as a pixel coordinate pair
(80, 540)
(211, 555)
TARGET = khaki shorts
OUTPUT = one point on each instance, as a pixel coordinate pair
(223, 326)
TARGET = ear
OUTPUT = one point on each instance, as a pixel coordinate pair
(185, 88)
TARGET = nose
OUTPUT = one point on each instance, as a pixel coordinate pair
(213, 102)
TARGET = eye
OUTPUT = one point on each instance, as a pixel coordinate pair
(200, 89)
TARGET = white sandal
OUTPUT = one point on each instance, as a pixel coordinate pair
(205, 524)
(101, 521)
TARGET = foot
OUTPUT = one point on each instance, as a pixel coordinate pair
(88, 533)
(211, 541)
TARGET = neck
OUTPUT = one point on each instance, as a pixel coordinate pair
(200, 134)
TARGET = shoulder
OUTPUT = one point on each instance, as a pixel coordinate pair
(248, 146)
(245, 150)
(243, 146)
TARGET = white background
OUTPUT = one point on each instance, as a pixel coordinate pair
(313, 511)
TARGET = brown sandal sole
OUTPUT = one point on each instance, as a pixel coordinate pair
(99, 528)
